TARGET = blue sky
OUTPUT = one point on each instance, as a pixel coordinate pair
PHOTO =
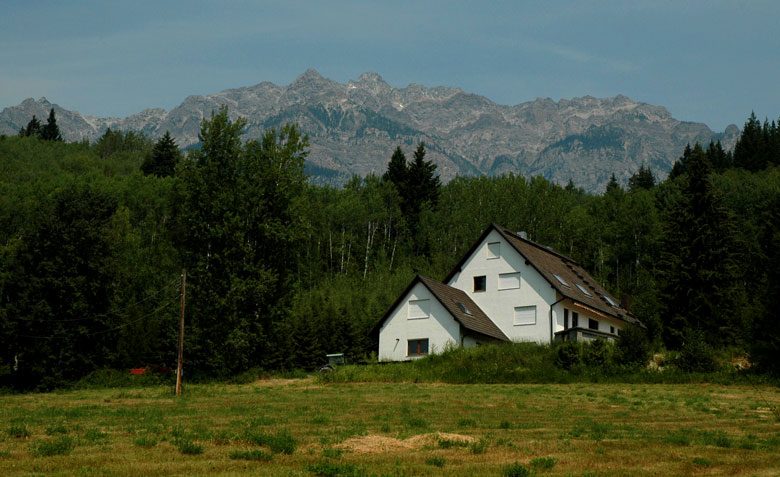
(705, 61)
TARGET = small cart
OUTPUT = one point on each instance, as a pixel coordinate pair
(335, 359)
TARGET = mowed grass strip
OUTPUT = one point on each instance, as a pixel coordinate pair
(301, 427)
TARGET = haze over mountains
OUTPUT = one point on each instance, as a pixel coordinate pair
(353, 128)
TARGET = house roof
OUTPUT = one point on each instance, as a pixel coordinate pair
(457, 303)
(563, 273)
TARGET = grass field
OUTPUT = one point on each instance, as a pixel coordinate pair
(302, 427)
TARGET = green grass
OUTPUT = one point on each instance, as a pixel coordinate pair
(303, 427)
(59, 446)
(252, 454)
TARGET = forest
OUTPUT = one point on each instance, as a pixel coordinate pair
(94, 238)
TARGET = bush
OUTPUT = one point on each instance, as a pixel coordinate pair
(280, 443)
(145, 442)
(543, 464)
(255, 454)
(328, 469)
(516, 470)
(696, 355)
(597, 353)
(568, 355)
(19, 431)
(59, 446)
(188, 447)
(435, 461)
(633, 347)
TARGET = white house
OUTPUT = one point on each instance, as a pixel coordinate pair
(505, 287)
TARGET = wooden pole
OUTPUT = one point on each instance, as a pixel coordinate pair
(181, 331)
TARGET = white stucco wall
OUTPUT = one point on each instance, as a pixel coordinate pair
(439, 328)
(500, 305)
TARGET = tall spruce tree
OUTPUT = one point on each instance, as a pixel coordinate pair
(641, 179)
(163, 159)
(397, 170)
(697, 265)
(51, 132)
(33, 128)
(750, 151)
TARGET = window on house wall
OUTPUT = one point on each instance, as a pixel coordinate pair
(493, 250)
(593, 324)
(575, 319)
(480, 283)
(612, 329)
(419, 309)
(417, 347)
(525, 315)
(508, 281)
(565, 319)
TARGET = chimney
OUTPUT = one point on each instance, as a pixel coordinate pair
(625, 302)
(523, 235)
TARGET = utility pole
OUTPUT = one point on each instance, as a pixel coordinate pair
(181, 330)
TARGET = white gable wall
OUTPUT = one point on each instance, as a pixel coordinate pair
(439, 327)
(499, 305)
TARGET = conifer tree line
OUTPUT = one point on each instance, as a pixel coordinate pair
(93, 238)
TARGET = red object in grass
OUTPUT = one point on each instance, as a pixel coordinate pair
(138, 371)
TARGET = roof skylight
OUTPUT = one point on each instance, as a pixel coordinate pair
(583, 290)
(561, 280)
(463, 308)
(609, 300)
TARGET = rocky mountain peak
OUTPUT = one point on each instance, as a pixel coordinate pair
(354, 128)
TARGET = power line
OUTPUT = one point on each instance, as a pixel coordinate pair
(157, 293)
(124, 325)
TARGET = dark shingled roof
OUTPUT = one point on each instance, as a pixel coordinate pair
(457, 303)
(550, 263)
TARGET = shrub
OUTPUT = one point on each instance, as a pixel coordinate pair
(696, 355)
(542, 464)
(633, 348)
(328, 469)
(145, 441)
(281, 443)
(435, 461)
(597, 353)
(516, 470)
(567, 355)
(255, 454)
(20, 431)
(188, 447)
(478, 447)
(59, 446)
(56, 429)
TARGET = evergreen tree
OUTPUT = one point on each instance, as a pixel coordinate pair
(750, 151)
(570, 187)
(641, 179)
(698, 260)
(397, 169)
(680, 166)
(422, 187)
(51, 132)
(719, 159)
(612, 185)
(163, 159)
(33, 128)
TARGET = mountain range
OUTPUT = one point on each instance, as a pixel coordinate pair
(353, 128)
